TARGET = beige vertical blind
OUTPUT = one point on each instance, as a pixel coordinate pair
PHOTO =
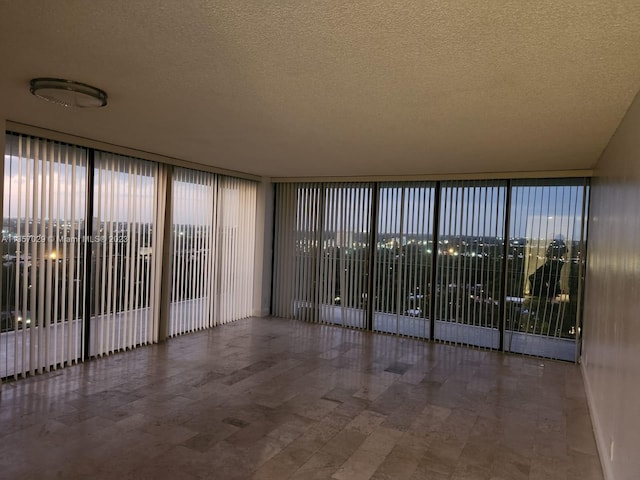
(194, 279)
(213, 242)
(43, 264)
(64, 279)
(128, 226)
(297, 238)
(234, 266)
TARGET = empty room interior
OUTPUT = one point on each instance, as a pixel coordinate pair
(320, 240)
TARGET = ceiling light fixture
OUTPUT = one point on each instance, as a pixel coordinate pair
(68, 93)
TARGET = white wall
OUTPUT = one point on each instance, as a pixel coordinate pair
(611, 344)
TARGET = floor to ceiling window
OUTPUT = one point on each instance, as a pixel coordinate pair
(297, 228)
(213, 250)
(343, 265)
(43, 255)
(83, 242)
(403, 261)
(127, 234)
(323, 253)
(465, 262)
(236, 207)
(468, 286)
(545, 265)
(193, 254)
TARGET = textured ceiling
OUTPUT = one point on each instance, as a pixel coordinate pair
(286, 88)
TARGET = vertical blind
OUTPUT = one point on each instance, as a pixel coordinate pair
(83, 245)
(43, 269)
(213, 252)
(452, 261)
(344, 264)
(404, 249)
(236, 214)
(544, 277)
(194, 197)
(470, 252)
(297, 231)
(128, 228)
(322, 252)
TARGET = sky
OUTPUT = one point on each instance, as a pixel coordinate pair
(544, 211)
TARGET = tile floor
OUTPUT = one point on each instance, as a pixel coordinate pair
(278, 399)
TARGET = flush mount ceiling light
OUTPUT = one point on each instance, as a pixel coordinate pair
(68, 93)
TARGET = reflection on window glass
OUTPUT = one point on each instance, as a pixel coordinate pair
(544, 264)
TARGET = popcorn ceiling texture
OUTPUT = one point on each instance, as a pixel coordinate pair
(334, 88)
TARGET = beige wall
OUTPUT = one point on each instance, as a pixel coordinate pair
(611, 344)
(264, 246)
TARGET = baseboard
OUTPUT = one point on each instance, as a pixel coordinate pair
(601, 443)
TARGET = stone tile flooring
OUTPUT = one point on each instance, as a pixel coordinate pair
(277, 399)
